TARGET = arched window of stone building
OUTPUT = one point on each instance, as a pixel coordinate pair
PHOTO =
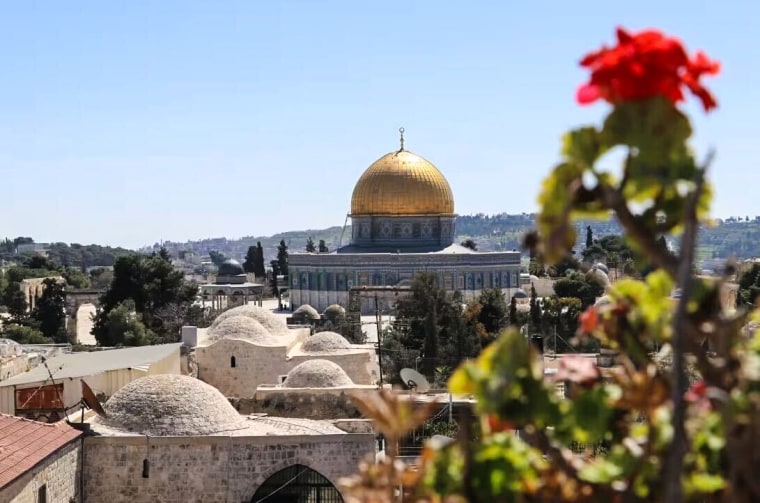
(233, 362)
(297, 483)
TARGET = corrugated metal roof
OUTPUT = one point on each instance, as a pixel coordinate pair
(90, 363)
(25, 443)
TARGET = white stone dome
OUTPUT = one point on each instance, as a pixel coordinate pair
(599, 276)
(170, 405)
(317, 374)
(241, 327)
(273, 324)
(325, 342)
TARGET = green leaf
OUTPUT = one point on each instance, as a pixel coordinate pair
(583, 146)
(704, 483)
(655, 127)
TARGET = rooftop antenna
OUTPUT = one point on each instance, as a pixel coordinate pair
(57, 392)
(345, 223)
(414, 380)
(401, 131)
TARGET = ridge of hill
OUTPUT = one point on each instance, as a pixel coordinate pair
(731, 237)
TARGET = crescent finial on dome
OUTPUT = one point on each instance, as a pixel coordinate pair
(401, 131)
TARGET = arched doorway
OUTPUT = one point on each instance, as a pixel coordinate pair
(297, 484)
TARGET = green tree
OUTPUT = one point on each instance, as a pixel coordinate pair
(513, 311)
(749, 287)
(589, 237)
(122, 327)
(494, 313)
(310, 248)
(470, 243)
(579, 286)
(249, 264)
(24, 334)
(282, 257)
(75, 278)
(258, 263)
(273, 286)
(50, 311)
(217, 258)
(323, 247)
(535, 308)
(15, 300)
(157, 290)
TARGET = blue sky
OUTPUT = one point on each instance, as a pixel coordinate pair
(126, 123)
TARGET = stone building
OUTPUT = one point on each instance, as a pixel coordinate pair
(39, 463)
(402, 222)
(176, 439)
(249, 346)
(32, 289)
(231, 287)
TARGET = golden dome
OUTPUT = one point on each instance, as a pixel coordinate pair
(402, 183)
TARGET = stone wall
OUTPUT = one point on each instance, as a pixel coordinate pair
(59, 472)
(209, 469)
(312, 403)
(359, 365)
(256, 365)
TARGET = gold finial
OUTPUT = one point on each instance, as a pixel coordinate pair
(401, 130)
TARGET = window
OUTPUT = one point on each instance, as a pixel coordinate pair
(42, 494)
(233, 363)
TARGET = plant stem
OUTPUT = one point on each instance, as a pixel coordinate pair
(685, 280)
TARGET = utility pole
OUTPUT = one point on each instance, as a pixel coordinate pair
(379, 321)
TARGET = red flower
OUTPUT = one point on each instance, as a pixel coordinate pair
(589, 320)
(697, 395)
(496, 425)
(644, 65)
(577, 369)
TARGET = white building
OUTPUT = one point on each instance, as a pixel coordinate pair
(35, 396)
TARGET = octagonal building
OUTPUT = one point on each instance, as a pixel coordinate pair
(402, 222)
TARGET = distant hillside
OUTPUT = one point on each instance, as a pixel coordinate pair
(733, 237)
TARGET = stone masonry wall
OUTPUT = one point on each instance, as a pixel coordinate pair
(60, 474)
(256, 365)
(360, 366)
(209, 469)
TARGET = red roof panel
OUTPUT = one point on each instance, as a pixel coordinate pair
(25, 443)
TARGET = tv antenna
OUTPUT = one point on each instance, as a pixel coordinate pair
(414, 381)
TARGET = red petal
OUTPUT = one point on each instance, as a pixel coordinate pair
(623, 36)
(587, 93)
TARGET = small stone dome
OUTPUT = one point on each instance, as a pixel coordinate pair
(170, 405)
(334, 313)
(520, 294)
(273, 324)
(334, 309)
(325, 342)
(306, 311)
(317, 374)
(603, 267)
(230, 267)
(599, 276)
(243, 328)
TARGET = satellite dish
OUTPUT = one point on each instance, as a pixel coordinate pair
(414, 380)
(91, 401)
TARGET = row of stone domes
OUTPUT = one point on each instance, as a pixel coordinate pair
(179, 405)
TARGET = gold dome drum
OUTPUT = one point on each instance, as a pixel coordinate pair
(402, 183)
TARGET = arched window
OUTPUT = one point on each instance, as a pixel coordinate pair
(233, 363)
(296, 484)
